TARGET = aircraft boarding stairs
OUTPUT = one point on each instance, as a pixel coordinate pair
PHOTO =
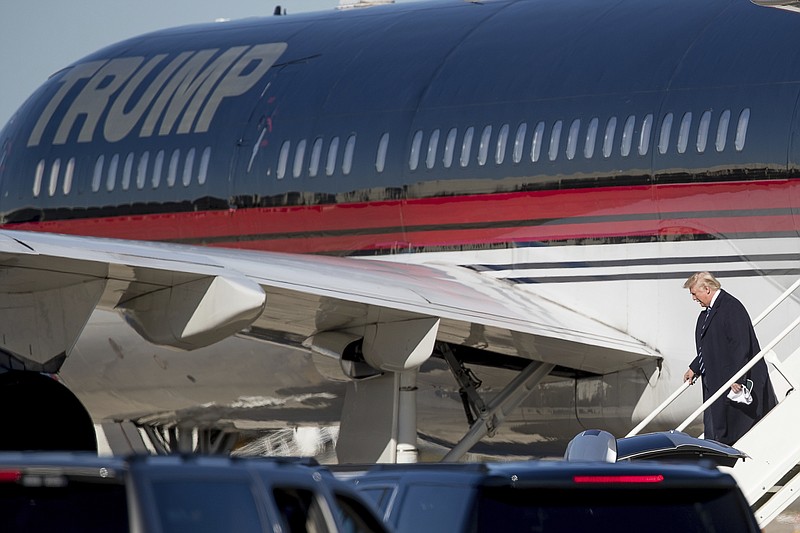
(770, 476)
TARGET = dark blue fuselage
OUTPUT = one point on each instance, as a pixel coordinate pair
(411, 107)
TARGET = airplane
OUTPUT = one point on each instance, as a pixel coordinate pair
(425, 223)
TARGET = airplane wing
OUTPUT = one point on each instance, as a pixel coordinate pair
(788, 5)
(188, 297)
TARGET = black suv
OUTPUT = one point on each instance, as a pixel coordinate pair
(68, 492)
(553, 496)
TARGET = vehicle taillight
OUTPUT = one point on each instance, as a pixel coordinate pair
(10, 476)
(651, 478)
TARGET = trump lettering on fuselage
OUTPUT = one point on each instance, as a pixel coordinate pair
(159, 95)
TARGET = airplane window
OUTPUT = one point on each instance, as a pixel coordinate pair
(483, 146)
(608, 137)
(722, 130)
(97, 178)
(519, 142)
(349, 149)
(157, 168)
(644, 137)
(502, 142)
(68, 175)
(466, 146)
(111, 177)
(741, 129)
(188, 166)
(416, 143)
(433, 145)
(333, 152)
(683, 133)
(591, 137)
(702, 131)
(98, 173)
(54, 170)
(627, 136)
(663, 139)
(205, 159)
(283, 159)
(316, 155)
(450, 147)
(172, 171)
(37, 179)
(127, 170)
(555, 139)
(141, 170)
(536, 145)
(299, 157)
(380, 158)
(572, 138)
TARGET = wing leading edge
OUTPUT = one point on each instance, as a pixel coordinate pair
(188, 297)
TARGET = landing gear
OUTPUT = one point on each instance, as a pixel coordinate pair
(126, 437)
(484, 418)
(379, 420)
(379, 417)
(177, 439)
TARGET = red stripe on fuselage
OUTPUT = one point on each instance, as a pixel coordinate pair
(718, 209)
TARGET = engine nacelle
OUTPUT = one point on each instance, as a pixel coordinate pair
(42, 414)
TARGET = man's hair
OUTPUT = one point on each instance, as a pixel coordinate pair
(702, 279)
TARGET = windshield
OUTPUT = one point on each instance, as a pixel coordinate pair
(73, 506)
(613, 509)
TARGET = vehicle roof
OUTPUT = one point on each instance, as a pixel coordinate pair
(57, 457)
(85, 462)
(113, 466)
(675, 443)
(529, 474)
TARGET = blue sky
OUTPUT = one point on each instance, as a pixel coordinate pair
(39, 37)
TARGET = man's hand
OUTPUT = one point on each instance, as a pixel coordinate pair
(689, 375)
(736, 387)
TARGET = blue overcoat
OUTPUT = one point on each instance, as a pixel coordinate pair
(728, 341)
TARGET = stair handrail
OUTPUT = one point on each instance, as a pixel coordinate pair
(777, 302)
(657, 411)
(686, 384)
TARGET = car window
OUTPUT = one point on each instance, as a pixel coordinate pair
(207, 506)
(610, 509)
(300, 510)
(68, 506)
(355, 517)
(435, 508)
(380, 496)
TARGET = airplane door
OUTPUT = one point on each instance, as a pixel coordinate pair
(5, 149)
(282, 112)
(252, 143)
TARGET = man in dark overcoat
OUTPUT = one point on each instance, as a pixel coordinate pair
(726, 341)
